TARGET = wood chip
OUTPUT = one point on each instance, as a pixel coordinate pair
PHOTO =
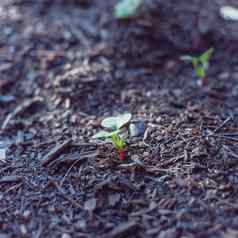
(3, 152)
(127, 183)
(55, 152)
(114, 199)
(123, 229)
(11, 179)
(18, 110)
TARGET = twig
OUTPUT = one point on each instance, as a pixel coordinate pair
(18, 110)
(231, 153)
(54, 153)
(230, 134)
(81, 158)
(79, 35)
(68, 171)
(226, 137)
(221, 126)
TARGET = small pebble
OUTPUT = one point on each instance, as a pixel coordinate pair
(23, 230)
(67, 103)
(137, 129)
(26, 214)
(65, 235)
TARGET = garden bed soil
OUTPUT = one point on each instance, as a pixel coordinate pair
(66, 65)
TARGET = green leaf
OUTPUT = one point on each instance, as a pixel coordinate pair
(115, 123)
(229, 13)
(126, 8)
(102, 135)
(200, 71)
(195, 62)
(110, 123)
(186, 58)
(205, 57)
(122, 120)
(117, 141)
(200, 63)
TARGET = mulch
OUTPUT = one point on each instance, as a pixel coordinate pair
(66, 65)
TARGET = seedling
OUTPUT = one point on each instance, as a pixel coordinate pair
(113, 130)
(126, 8)
(200, 64)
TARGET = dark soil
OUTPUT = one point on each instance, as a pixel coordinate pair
(65, 65)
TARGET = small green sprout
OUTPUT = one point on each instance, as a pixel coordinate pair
(126, 8)
(200, 64)
(118, 142)
(113, 128)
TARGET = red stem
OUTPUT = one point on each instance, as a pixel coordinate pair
(122, 155)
